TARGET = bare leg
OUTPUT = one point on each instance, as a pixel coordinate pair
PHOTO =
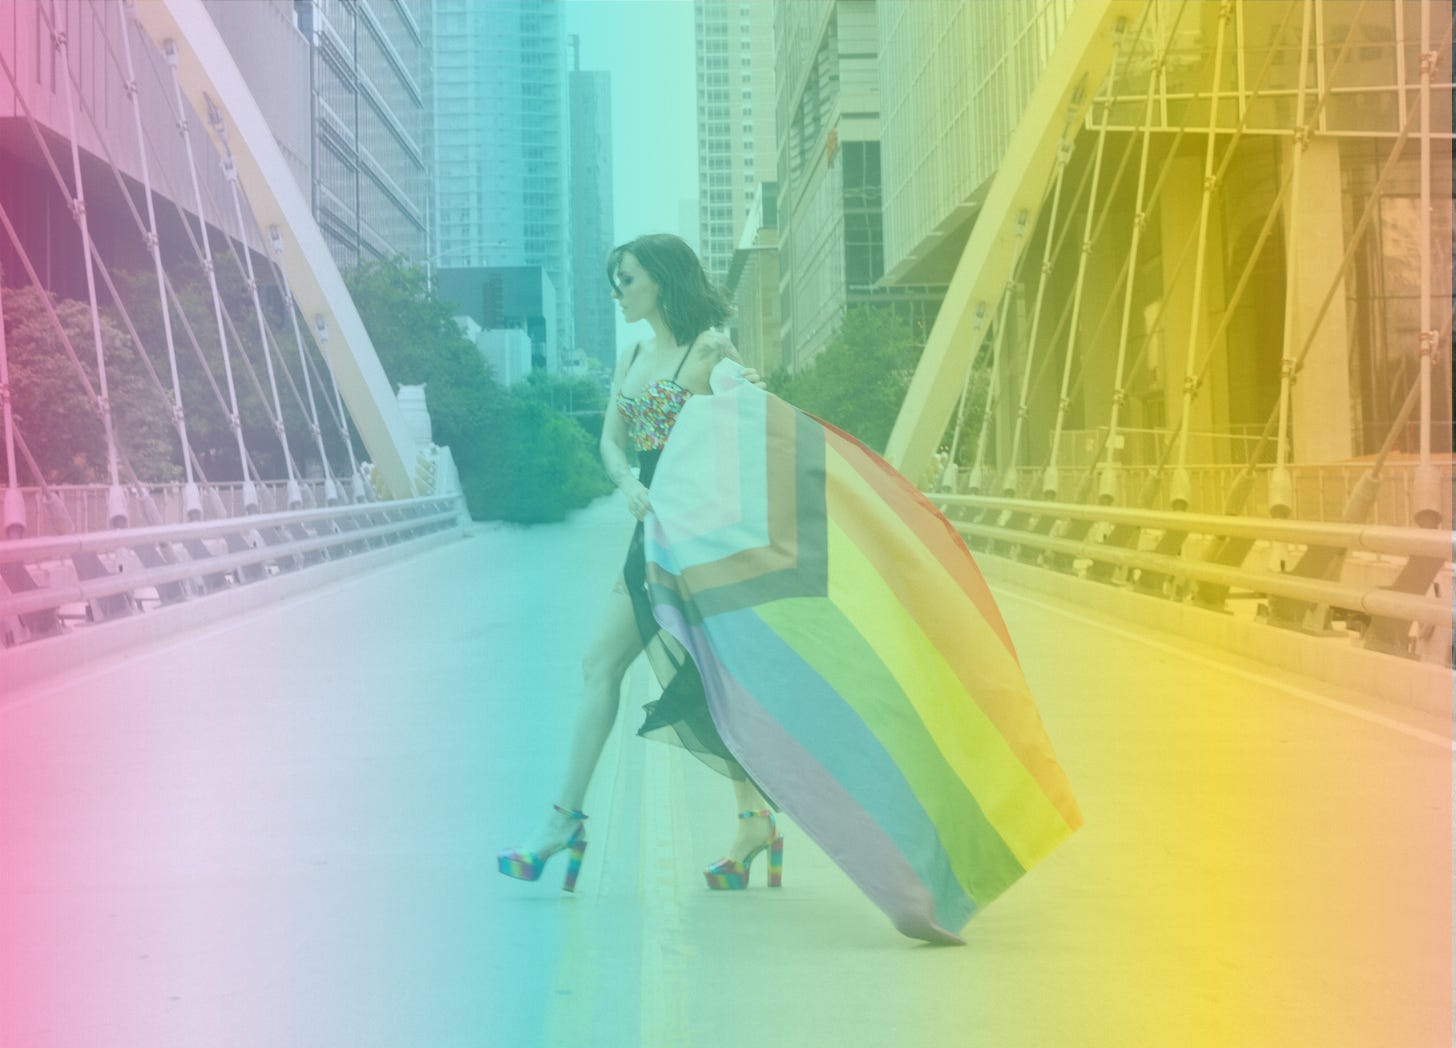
(616, 644)
(751, 832)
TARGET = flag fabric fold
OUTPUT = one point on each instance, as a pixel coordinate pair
(852, 657)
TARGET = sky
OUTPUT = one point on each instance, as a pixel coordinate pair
(647, 46)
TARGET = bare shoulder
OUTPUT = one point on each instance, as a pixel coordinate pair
(714, 345)
(625, 356)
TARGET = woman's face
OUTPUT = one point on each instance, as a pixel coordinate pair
(636, 291)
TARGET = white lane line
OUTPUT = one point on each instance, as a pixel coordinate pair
(1312, 697)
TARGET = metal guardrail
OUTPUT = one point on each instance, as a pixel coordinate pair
(45, 583)
(1148, 548)
(64, 509)
(1318, 492)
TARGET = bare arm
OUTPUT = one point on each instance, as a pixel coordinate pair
(613, 446)
(613, 449)
(712, 347)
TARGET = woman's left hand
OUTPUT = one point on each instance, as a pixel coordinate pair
(752, 375)
(639, 499)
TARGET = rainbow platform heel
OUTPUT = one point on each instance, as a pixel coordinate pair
(731, 875)
(527, 865)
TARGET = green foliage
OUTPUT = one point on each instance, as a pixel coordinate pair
(51, 409)
(519, 458)
(543, 466)
(419, 344)
(859, 379)
(858, 382)
(976, 396)
(571, 394)
(202, 371)
(581, 397)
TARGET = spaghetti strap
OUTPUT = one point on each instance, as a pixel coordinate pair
(684, 359)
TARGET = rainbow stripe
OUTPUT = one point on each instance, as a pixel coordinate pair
(853, 658)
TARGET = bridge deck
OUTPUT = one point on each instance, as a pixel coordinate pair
(281, 831)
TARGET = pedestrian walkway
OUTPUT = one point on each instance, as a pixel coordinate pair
(281, 832)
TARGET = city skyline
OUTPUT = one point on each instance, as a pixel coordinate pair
(654, 123)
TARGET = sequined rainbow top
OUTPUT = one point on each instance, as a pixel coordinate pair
(651, 413)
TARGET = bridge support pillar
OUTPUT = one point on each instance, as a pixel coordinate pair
(1321, 393)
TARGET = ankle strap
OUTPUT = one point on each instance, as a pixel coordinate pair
(752, 814)
(570, 813)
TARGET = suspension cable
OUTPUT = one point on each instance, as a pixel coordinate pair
(1257, 89)
(1428, 501)
(250, 491)
(99, 262)
(116, 510)
(1181, 484)
(191, 500)
(171, 291)
(1050, 481)
(1064, 154)
(978, 329)
(360, 484)
(1352, 243)
(275, 237)
(230, 172)
(337, 411)
(14, 520)
(1281, 485)
(1023, 220)
(1108, 489)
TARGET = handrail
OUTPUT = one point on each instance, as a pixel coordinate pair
(1417, 544)
(180, 569)
(114, 585)
(58, 546)
(1371, 538)
(1373, 601)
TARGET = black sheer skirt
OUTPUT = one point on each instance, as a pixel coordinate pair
(681, 715)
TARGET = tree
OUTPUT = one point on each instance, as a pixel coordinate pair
(859, 379)
(51, 409)
(581, 397)
(208, 430)
(519, 459)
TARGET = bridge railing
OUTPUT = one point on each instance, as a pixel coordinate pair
(1320, 491)
(1386, 585)
(51, 585)
(66, 509)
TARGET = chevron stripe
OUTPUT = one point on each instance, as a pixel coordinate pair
(853, 659)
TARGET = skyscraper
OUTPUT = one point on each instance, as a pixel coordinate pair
(370, 74)
(831, 240)
(502, 143)
(736, 128)
(591, 211)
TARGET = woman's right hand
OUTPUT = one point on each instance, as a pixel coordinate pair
(638, 499)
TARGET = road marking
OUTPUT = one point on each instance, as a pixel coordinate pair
(1312, 697)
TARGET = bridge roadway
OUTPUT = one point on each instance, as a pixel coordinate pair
(281, 831)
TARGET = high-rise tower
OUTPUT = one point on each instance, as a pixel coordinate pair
(369, 74)
(501, 143)
(735, 59)
(591, 211)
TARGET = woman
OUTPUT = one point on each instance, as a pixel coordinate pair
(658, 279)
(822, 634)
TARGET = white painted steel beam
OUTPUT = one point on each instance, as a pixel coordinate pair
(207, 72)
(1071, 80)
